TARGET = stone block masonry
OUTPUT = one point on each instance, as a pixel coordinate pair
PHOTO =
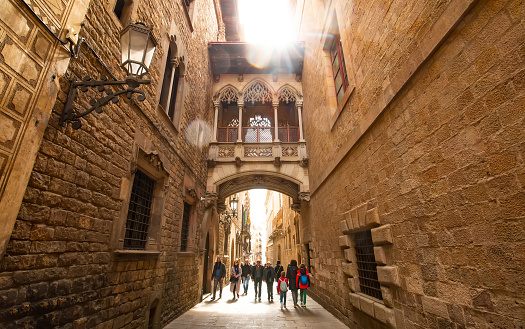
(64, 266)
(432, 137)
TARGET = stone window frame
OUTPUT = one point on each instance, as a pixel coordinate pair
(332, 29)
(152, 165)
(130, 10)
(361, 218)
(189, 12)
(191, 197)
(172, 38)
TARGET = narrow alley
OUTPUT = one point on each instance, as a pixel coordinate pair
(245, 312)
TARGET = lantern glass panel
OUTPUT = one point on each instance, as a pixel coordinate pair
(137, 51)
(124, 43)
(149, 52)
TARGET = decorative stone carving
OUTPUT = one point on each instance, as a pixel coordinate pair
(154, 159)
(258, 152)
(257, 92)
(290, 151)
(238, 162)
(258, 180)
(304, 196)
(191, 192)
(229, 94)
(210, 199)
(287, 94)
(296, 207)
(277, 161)
(211, 163)
(226, 152)
(303, 162)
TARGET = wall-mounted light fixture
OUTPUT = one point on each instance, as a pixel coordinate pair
(228, 216)
(137, 48)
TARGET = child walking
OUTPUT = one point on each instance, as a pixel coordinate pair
(282, 288)
(303, 282)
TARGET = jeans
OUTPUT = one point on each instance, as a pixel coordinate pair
(216, 281)
(294, 296)
(303, 296)
(258, 283)
(245, 282)
(283, 297)
(269, 286)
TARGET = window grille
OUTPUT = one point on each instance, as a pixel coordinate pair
(366, 265)
(139, 212)
(339, 69)
(185, 227)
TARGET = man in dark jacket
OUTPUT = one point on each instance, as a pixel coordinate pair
(268, 277)
(257, 277)
(246, 272)
(291, 275)
(278, 270)
(218, 274)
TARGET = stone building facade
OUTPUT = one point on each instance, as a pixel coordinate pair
(69, 261)
(283, 229)
(420, 156)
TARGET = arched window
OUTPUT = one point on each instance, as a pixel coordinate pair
(172, 85)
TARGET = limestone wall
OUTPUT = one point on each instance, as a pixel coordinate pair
(63, 266)
(429, 141)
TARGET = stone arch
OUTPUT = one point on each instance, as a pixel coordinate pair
(292, 185)
(288, 94)
(228, 94)
(258, 90)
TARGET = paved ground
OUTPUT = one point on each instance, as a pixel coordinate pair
(245, 312)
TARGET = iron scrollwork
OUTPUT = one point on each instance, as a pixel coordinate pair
(69, 113)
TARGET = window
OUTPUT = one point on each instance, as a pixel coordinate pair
(151, 322)
(139, 212)
(366, 265)
(122, 10)
(184, 232)
(338, 68)
(170, 95)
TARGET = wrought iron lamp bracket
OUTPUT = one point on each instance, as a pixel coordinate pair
(69, 113)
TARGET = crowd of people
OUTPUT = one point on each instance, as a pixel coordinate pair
(295, 279)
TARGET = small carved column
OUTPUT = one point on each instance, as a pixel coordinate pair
(299, 104)
(216, 105)
(221, 35)
(276, 122)
(241, 106)
(175, 61)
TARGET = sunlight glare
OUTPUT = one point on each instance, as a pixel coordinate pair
(268, 22)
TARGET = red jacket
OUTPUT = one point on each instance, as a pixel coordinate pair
(302, 271)
(279, 284)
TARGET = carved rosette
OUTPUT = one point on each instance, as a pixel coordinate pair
(290, 151)
(226, 152)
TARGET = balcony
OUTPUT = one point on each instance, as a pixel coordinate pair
(287, 134)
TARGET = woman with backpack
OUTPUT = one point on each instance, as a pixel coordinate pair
(282, 288)
(291, 275)
(303, 282)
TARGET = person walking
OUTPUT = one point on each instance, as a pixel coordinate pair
(217, 275)
(303, 282)
(257, 277)
(235, 275)
(282, 288)
(278, 269)
(291, 275)
(246, 272)
(269, 277)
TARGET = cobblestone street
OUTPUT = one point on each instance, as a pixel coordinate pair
(248, 313)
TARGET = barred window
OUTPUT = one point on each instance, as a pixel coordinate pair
(185, 227)
(366, 265)
(139, 212)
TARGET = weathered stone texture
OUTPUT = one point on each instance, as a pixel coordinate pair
(60, 269)
(442, 162)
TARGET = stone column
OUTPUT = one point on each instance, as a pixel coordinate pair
(299, 104)
(216, 105)
(276, 121)
(241, 106)
(175, 63)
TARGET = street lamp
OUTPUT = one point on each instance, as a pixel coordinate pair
(137, 48)
(230, 215)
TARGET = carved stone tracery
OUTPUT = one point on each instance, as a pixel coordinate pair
(229, 95)
(258, 92)
(287, 94)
